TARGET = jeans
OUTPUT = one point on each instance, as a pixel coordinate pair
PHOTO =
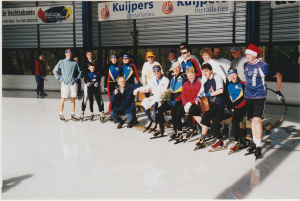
(115, 114)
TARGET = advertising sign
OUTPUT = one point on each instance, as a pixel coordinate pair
(37, 15)
(284, 4)
(19, 16)
(57, 14)
(145, 9)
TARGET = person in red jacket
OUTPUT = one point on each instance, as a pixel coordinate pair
(189, 93)
(40, 74)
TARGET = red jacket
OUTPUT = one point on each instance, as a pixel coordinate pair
(190, 91)
(40, 67)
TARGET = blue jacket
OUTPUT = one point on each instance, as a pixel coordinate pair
(125, 101)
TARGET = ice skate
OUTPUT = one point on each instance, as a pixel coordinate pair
(102, 117)
(38, 95)
(153, 127)
(251, 149)
(217, 146)
(189, 135)
(158, 134)
(234, 147)
(179, 137)
(172, 135)
(61, 117)
(92, 117)
(119, 125)
(257, 153)
(41, 95)
(73, 117)
(201, 143)
(81, 116)
(147, 125)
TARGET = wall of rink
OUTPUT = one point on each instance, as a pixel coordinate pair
(291, 91)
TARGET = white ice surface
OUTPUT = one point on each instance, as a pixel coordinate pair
(44, 158)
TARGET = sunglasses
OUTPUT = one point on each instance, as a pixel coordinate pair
(150, 57)
(233, 52)
(156, 71)
(125, 58)
(183, 52)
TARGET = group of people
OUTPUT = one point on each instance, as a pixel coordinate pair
(243, 94)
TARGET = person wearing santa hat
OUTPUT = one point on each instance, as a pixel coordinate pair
(255, 94)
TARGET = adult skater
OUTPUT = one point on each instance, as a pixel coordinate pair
(206, 54)
(123, 99)
(237, 103)
(190, 90)
(158, 84)
(114, 70)
(147, 70)
(40, 74)
(255, 94)
(238, 61)
(225, 63)
(68, 82)
(129, 70)
(175, 101)
(173, 59)
(185, 45)
(187, 62)
(94, 89)
(79, 92)
(213, 89)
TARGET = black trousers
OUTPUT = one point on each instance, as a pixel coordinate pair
(165, 107)
(95, 91)
(78, 85)
(236, 119)
(216, 114)
(195, 110)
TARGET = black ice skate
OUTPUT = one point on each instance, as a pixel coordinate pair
(179, 137)
(92, 117)
(81, 116)
(152, 127)
(158, 134)
(251, 149)
(217, 146)
(257, 153)
(73, 117)
(189, 135)
(172, 136)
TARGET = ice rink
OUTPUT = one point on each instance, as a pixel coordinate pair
(45, 158)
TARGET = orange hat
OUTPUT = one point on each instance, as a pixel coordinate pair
(150, 54)
(253, 50)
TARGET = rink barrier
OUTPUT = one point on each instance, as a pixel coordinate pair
(291, 91)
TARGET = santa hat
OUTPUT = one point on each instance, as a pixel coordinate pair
(253, 50)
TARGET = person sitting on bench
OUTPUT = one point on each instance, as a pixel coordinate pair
(158, 84)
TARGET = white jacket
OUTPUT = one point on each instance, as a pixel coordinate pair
(157, 90)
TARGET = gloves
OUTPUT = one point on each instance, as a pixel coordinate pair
(135, 92)
(187, 107)
(96, 84)
(173, 102)
(197, 99)
(88, 84)
(75, 79)
(280, 96)
(205, 94)
(60, 79)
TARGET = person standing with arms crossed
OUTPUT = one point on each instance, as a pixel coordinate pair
(68, 82)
